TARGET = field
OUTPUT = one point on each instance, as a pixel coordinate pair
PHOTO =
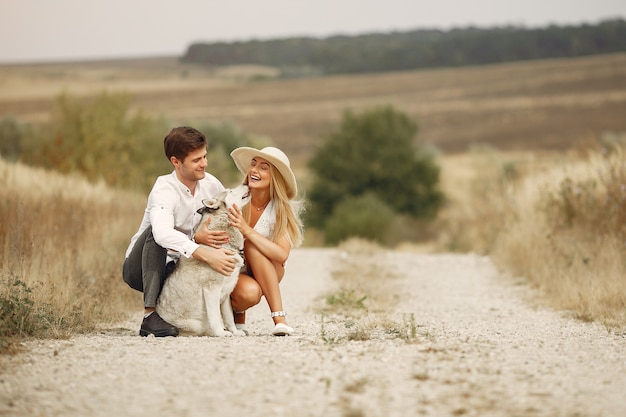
(508, 199)
(529, 106)
(527, 318)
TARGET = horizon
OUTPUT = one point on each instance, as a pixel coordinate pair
(144, 28)
(373, 32)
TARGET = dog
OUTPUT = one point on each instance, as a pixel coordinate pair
(196, 298)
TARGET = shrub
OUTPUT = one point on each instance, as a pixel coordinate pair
(374, 152)
(20, 315)
(364, 216)
(101, 140)
(11, 137)
(98, 139)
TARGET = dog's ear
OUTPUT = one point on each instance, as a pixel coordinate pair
(210, 203)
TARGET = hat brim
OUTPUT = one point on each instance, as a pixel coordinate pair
(243, 157)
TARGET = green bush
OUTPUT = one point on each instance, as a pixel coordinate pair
(364, 216)
(19, 314)
(11, 138)
(101, 139)
(98, 139)
(374, 152)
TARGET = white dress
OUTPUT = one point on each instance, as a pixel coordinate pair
(265, 227)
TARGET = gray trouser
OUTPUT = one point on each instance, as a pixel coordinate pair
(145, 269)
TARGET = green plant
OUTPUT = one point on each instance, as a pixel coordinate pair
(364, 216)
(99, 139)
(346, 299)
(12, 133)
(20, 315)
(374, 153)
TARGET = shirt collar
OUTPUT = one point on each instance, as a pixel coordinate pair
(182, 186)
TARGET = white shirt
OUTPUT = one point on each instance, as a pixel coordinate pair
(171, 210)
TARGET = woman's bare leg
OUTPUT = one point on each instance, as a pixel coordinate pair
(268, 276)
(247, 293)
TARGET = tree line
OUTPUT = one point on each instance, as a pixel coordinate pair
(422, 48)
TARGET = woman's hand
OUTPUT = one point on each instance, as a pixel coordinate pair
(212, 238)
(236, 220)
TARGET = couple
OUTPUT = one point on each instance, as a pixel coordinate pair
(270, 224)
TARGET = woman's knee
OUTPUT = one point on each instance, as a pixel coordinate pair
(247, 293)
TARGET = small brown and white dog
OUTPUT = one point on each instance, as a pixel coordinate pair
(196, 298)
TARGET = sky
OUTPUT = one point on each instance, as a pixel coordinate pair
(64, 30)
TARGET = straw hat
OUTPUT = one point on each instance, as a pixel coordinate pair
(243, 157)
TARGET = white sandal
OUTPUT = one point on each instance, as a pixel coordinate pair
(281, 329)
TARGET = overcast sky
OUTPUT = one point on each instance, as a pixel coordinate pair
(56, 30)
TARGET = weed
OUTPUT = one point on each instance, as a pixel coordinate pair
(20, 315)
(346, 299)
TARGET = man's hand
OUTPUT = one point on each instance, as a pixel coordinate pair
(222, 260)
(213, 238)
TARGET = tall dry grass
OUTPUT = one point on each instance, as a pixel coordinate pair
(63, 242)
(559, 221)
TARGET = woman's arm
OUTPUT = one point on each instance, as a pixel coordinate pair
(277, 252)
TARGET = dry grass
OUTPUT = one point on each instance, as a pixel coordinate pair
(512, 207)
(64, 238)
(580, 265)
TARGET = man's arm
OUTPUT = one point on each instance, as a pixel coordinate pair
(222, 260)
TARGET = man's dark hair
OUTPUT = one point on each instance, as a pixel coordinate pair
(182, 140)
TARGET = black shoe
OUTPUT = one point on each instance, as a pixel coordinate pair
(154, 324)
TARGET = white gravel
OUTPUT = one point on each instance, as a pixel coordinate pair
(482, 347)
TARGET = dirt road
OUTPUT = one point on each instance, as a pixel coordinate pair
(456, 340)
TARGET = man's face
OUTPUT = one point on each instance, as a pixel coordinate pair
(193, 167)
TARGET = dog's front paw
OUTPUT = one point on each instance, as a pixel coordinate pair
(238, 332)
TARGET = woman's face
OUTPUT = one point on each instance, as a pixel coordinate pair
(259, 173)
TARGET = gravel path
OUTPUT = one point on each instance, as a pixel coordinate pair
(470, 343)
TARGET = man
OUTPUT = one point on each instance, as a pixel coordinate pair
(166, 230)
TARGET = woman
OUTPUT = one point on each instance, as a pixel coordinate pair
(271, 226)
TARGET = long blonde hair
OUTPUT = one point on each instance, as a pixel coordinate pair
(288, 212)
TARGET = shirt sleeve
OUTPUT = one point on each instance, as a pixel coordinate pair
(162, 209)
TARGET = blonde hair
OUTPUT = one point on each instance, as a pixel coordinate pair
(288, 212)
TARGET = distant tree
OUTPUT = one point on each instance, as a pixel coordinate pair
(376, 52)
(374, 153)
